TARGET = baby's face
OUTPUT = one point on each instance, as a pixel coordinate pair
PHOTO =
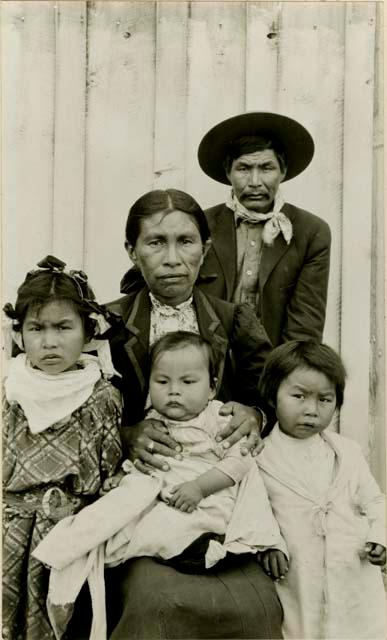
(179, 384)
(306, 402)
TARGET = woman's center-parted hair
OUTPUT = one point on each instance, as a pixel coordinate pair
(304, 354)
(41, 288)
(160, 201)
(180, 339)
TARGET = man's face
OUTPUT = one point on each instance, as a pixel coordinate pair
(255, 178)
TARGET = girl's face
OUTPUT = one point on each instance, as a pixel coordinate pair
(179, 384)
(53, 337)
(306, 402)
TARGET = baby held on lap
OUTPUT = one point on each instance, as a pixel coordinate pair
(211, 490)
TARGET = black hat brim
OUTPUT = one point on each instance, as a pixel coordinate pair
(296, 141)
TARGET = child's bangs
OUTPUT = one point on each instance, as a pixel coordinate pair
(37, 305)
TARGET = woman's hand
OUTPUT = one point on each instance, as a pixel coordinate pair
(245, 421)
(146, 441)
(274, 563)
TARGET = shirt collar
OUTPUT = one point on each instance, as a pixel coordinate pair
(160, 306)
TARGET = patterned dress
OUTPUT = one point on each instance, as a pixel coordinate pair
(72, 458)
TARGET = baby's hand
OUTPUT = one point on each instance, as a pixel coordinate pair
(376, 553)
(186, 496)
(111, 483)
(274, 563)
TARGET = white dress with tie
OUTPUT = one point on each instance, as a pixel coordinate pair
(328, 506)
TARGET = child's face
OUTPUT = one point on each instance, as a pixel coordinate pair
(306, 402)
(179, 384)
(53, 337)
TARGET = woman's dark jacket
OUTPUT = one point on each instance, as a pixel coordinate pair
(237, 337)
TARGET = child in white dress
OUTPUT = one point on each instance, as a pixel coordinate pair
(328, 505)
(210, 490)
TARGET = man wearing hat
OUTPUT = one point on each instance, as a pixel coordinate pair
(265, 251)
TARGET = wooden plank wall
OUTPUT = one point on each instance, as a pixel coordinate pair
(103, 101)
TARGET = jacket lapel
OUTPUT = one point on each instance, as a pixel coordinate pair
(211, 330)
(223, 236)
(137, 345)
(271, 255)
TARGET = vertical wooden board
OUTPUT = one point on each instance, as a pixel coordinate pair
(311, 89)
(120, 131)
(216, 83)
(263, 26)
(69, 134)
(378, 274)
(28, 47)
(171, 95)
(357, 216)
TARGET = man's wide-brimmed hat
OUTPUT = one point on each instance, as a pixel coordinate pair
(295, 140)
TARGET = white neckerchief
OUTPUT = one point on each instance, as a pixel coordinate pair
(47, 399)
(276, 221)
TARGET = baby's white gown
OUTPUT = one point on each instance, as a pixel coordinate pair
(133, 521)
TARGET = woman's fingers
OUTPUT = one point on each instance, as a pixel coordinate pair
(235, 431)
(149, 461)
(254, 444)
(229, 409)
(152, 447)
(140, 466)
(156, 432)
(245, 421)
(148, 442)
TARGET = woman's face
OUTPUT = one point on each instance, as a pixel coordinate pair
(169, 252)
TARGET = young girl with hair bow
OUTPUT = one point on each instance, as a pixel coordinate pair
(61, 421)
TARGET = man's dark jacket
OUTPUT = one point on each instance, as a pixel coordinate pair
(293, 279)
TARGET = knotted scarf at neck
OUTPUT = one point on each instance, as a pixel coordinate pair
(275, 221)
(47, 399)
